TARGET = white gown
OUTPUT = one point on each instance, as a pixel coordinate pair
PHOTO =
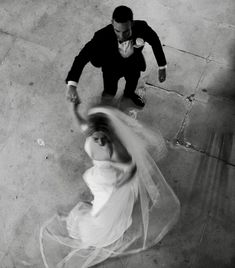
(120, 220)
(94, 224)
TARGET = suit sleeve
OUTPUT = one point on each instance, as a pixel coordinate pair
(152, 38)
(80, 61)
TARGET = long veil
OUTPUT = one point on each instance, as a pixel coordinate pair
(152, 215)
(159, 205)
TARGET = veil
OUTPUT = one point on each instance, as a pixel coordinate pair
(154, 191)
(151, 215)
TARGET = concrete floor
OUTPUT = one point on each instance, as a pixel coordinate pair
(41, 152)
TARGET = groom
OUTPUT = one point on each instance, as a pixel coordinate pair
(117, 50)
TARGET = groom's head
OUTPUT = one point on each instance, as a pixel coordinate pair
(122, 21)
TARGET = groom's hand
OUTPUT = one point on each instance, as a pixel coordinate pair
(72, 94)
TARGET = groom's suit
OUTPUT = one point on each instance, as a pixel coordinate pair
(103, 51)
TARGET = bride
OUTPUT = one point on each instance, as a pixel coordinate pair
(132, 208)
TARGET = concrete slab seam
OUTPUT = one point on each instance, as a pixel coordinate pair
(187, 52)
(165, 89)
(8, 51)
(7, 33)
(191, 99)
(190, 146)
(208, 59)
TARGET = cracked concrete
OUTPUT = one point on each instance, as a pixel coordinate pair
(194, 110)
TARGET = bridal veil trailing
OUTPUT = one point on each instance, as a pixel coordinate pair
(132, 218)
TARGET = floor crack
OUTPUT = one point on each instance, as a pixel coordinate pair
(188, 145)
(165, 89)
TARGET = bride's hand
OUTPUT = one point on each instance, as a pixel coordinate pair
(75, 105)
(80, 120)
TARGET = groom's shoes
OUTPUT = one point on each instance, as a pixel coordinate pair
(138, 101)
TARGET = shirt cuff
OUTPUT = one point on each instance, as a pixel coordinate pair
(162, 67)
(72, 83)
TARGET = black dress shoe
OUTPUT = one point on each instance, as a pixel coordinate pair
(138, 101)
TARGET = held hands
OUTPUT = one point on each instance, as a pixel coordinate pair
(75, 106)
(161, 75)
(72, 95)
(80, 120)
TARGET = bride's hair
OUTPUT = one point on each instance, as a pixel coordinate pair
(99, 122)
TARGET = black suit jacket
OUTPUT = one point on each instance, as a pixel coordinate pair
(102, 49)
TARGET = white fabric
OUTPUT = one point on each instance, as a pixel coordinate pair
(72, 83)
(101, 185)
(126, 48)
(96, 227)
(121, 220)
(162, 67)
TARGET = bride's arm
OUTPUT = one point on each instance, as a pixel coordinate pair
(127, 175)
(80, 120)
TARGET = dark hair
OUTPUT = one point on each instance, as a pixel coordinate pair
(122, 14)
(99, 122)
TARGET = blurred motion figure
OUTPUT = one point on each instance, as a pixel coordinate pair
(133, 207)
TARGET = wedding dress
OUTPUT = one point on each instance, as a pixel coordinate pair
(94, 223)
(120, 220)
